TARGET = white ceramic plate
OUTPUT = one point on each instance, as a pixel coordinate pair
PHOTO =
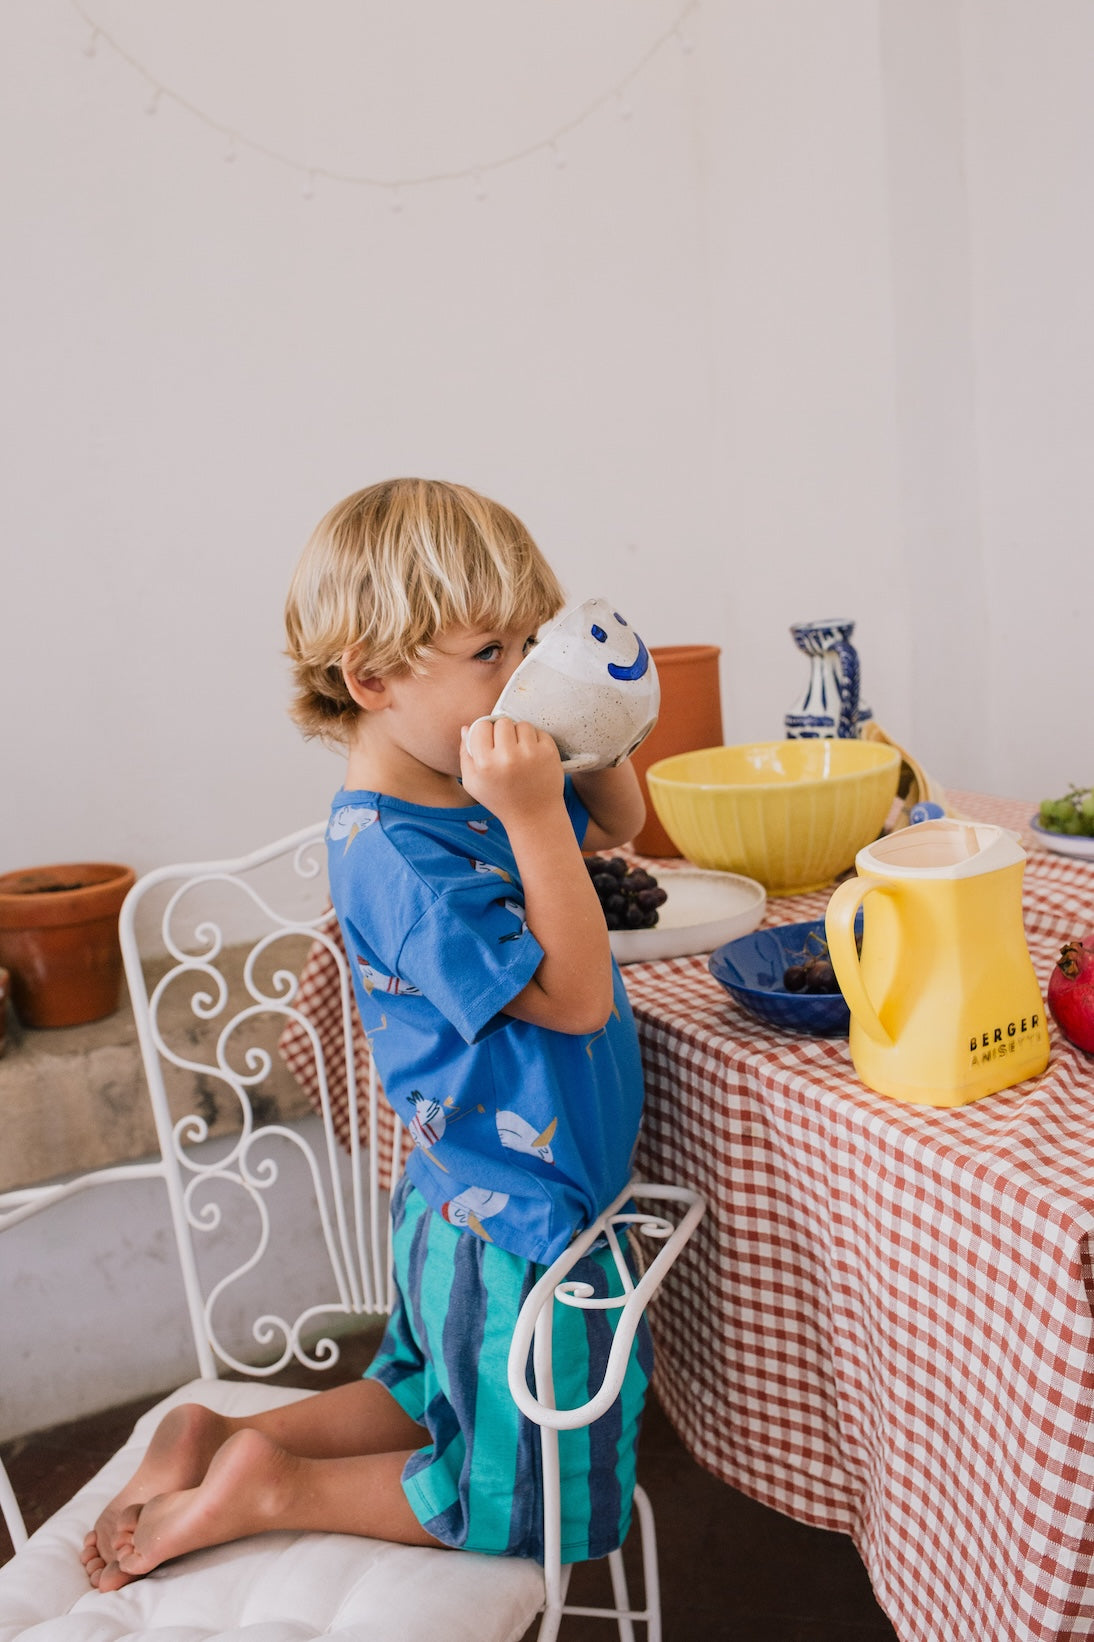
(1063, 843)
(703, 910)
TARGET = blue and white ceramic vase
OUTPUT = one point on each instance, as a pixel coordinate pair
(832, 705)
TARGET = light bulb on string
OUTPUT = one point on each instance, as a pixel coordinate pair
(551, 142)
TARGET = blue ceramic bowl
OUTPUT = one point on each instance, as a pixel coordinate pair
(751, 970)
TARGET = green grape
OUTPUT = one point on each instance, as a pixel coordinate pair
(1086, 810)
(1072, 814)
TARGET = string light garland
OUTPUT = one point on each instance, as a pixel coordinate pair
(396, 187)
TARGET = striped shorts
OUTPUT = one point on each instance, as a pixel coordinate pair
(477, 1484)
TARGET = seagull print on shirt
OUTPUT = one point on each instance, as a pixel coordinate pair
(350, 820)
(376, 980)
(427, 1127)
(517, 1135)
(488, 866)
(472, 1207)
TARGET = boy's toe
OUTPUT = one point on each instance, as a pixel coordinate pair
(112, 1578)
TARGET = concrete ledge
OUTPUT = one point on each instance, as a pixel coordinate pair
(75, 1098)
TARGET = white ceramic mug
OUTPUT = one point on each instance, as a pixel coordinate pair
(590, 683)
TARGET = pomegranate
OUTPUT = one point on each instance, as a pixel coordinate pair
(1071, 992)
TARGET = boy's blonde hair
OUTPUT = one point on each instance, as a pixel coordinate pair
(387, 570)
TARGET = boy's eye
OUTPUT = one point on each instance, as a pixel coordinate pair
(529, 643)
(489, 652)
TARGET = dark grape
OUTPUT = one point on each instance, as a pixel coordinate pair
(650, 899)
(629, 895)
(813, 974)
(822, 977)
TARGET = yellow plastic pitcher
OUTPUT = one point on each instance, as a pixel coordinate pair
(945, 1006)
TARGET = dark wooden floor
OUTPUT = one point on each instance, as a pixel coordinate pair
(731, 1570)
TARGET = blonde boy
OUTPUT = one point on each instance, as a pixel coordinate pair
(503, 1036)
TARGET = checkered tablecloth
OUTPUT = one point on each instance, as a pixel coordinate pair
(312, 1046)
(885, 1324)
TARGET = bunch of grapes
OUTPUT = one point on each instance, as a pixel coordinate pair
(630, 897)
(1073, 813)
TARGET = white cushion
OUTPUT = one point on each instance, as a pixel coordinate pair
(269, 1588)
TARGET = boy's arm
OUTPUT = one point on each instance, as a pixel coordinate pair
(515, 770)
(615, 804)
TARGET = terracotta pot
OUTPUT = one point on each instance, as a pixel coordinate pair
(59, 939)
(690, 718)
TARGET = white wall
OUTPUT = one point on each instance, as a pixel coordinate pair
(806, 334)
(1030, 160)
(803, 486)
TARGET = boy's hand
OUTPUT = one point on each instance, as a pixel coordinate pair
(513, 768)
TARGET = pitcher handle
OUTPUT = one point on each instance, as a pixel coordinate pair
(839, 931)
(848, 684)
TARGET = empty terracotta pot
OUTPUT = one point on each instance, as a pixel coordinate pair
(690, 718)
(59, 939)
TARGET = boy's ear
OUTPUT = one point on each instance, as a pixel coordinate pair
(368, 691)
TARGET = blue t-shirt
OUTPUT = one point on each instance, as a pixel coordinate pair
(522, 1134)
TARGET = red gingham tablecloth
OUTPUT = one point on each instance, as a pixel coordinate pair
(885, 1323)
(312, 1047)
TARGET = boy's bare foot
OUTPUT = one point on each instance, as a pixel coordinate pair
(246, 1486)
(178, 1456)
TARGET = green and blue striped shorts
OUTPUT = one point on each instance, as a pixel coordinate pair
(477, 1484)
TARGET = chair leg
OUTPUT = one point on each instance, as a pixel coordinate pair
(651, 1578)
(548, 1625)
(621, 1596)
(554, 1607)
(625, 1613)
(9, 1509)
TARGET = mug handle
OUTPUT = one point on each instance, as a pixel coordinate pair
(580, 761)
(839, 932)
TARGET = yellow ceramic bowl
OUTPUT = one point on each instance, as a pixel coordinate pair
(792, 814)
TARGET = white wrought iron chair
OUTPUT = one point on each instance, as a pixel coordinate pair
(266, 916)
